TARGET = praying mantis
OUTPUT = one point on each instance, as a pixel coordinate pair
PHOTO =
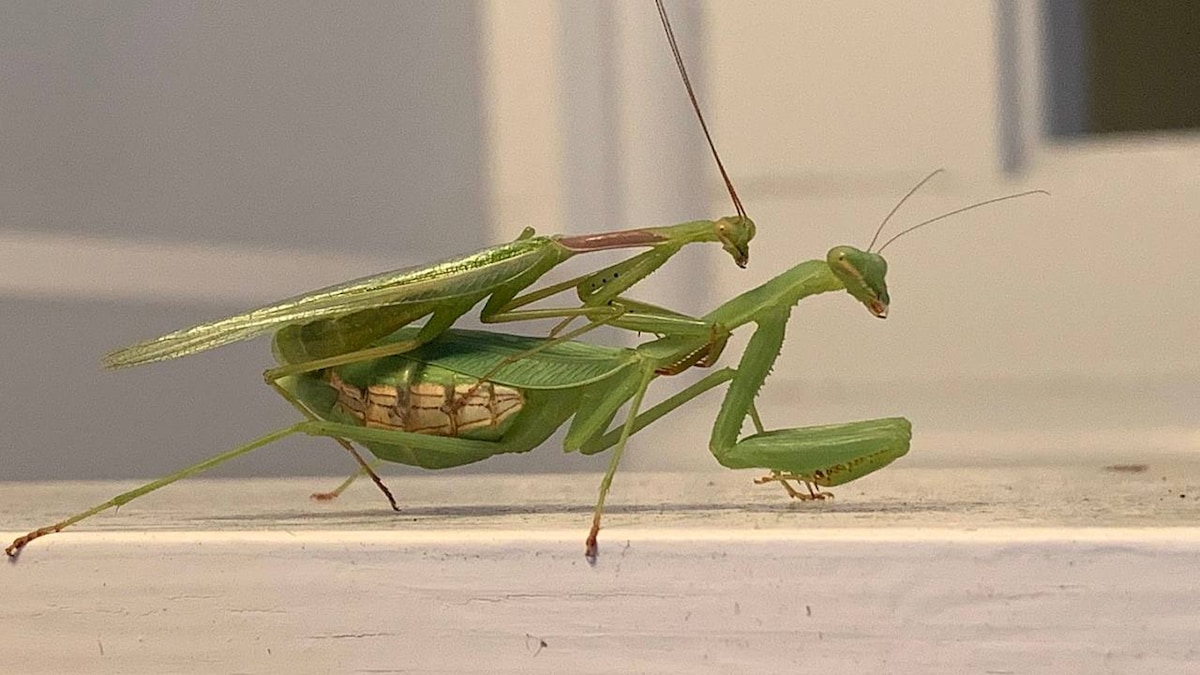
(334, 326)
(465, 396)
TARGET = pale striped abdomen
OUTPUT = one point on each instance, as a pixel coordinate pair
(428, 407)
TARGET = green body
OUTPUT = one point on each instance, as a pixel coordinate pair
(589, 385)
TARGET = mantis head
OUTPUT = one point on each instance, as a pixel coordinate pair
(862, 272)
(735, 233)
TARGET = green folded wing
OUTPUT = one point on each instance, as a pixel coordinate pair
(477, 273)
(476, 353)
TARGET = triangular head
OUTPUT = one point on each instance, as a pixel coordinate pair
(863, 274)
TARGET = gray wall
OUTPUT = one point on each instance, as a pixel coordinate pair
(266, 131)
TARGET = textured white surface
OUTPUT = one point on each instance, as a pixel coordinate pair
(911, 570)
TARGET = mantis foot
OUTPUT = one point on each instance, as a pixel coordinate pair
(14, 549)
(364, 469)
(783, 478)
(591, 550)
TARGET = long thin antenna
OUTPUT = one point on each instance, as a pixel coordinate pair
(898, 205)
(955, 212)
(687, 83)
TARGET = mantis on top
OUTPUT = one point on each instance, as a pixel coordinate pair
(345, 323)
(336, 325)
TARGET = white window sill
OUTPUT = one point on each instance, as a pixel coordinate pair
(1002, 569)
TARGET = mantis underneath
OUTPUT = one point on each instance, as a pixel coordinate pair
(469, 395)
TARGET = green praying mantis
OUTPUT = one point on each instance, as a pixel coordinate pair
(465, 396)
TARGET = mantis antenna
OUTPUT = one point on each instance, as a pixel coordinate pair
(955, 212)
(898, 205)
(687, 83)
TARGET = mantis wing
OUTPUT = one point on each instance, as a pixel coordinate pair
(477, 353)
(478, 274)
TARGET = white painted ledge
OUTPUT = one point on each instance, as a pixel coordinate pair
(1003, 570)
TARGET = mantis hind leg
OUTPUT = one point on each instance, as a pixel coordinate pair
(364, 467)
(591, 547)
(336, 492)
(125, 497)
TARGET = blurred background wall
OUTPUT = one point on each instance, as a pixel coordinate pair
(169, 163)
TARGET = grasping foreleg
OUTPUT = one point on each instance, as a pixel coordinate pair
(822, 455)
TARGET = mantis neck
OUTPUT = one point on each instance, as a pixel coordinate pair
(694, 231)
(778, 294)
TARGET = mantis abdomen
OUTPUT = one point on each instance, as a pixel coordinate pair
(437, 405)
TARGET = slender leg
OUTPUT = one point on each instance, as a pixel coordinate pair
(337, 491)
(596, 288)
(441, 320)
(125, 497)
(613, 314)
(390, 349)
(592, 548)
(756, 419)
(363, 467)
(783, 478)
(662, 409)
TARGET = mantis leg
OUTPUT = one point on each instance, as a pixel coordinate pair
(615, 313)
(439, 322)
(342, 486)
(783, 478)
(125, 497)
(364, 468)
(653, 414)
(663, 320)
(525, 439)
(823, 455)
(594, 289)
(591, 547)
